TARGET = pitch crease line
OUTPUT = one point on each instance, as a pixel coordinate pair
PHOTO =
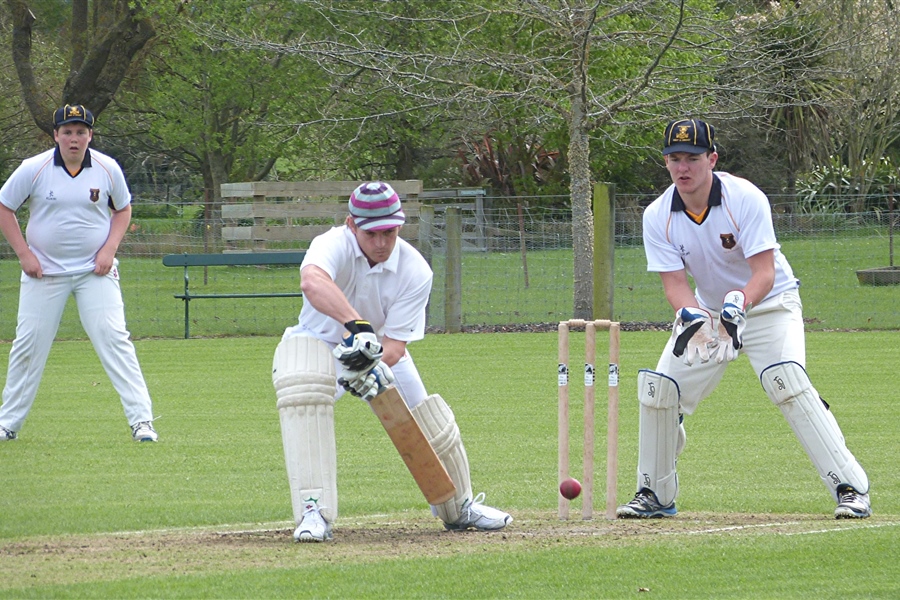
(837, 528)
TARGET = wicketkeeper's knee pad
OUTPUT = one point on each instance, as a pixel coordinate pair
(661, 436)
(788, 386)
(438, 423)
(303, 374)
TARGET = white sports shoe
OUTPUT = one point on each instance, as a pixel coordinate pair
(852, 504)
(313, 527)
(476, 515)
(7, 435)
(143, 432)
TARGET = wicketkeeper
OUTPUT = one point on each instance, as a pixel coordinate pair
(365, 291)
(718, 229)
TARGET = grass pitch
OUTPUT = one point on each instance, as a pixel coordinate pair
(85, 512)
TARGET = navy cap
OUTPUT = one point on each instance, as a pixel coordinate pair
(73, 113)
(689, 135)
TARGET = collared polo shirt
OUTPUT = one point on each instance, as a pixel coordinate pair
(69, 217)
(391, 295)
(714, 252)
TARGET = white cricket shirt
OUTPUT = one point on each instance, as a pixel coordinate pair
(391, 295)
(737, 225)
(69, 216)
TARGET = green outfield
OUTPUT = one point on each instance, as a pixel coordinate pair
(205, 513)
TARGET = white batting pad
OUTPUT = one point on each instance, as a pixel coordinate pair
(789, 387)
(439, 426)
(660, 434)
(303, 374)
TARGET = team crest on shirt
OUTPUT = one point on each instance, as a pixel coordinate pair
(727, 240)
(95, 195)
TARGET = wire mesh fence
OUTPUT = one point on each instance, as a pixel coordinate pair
(517, 271)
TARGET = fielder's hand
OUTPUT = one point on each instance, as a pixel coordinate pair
(693, 335)
(367, 385)
(359, 350)
(732, 321)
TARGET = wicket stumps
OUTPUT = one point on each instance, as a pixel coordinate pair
(612, 444)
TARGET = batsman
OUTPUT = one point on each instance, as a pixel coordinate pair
(365, 290)
(717, 229)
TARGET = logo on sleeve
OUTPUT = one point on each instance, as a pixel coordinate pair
(95, 194)
(728, 241)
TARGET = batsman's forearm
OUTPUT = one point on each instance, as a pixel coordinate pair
(393, 350)
(326, 297)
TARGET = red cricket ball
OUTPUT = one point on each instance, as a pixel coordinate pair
(570, 488)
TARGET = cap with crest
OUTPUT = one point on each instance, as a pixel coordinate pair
(689, 135)
(375, 206)
(72, 113)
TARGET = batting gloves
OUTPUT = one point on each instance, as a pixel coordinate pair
(367, 385)
(359, 350)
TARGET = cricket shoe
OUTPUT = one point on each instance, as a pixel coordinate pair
(852, 504)
(313, 527)
(475, 515)
(645, 505)
(143, 432)
(7, 435)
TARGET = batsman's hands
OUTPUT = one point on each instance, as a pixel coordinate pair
(732, 321)
(359, 350)
(367, 384)
(694, 335)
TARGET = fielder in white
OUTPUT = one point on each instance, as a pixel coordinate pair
(365, 291)
(718, 229)
(80, 208)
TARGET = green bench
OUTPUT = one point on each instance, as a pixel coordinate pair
(229, 260)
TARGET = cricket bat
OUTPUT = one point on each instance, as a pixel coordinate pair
(420, 458)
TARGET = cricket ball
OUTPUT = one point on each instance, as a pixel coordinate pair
(570, 488)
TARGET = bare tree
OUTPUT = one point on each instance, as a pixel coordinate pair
(601, 66)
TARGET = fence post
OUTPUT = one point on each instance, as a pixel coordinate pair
(426, 232)
(604, 249)
(453, 280)
(426, 243)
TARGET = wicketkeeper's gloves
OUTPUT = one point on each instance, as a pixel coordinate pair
(694, 335)
(732, 321)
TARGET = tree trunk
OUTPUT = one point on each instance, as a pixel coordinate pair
(582, 215)
(215, 174)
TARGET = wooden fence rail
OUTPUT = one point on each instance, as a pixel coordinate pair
(292, 211)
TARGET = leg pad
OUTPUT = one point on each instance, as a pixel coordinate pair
(789, 388)
(660, 434)
(303, 374)
(438, 424)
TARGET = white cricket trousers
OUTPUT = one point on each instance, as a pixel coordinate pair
(102, 313)
(774, 334)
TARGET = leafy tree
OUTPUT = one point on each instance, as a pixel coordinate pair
(105, 37)
(222, 112)
(865, 113)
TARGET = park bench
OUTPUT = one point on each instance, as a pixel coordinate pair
(229, 260)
